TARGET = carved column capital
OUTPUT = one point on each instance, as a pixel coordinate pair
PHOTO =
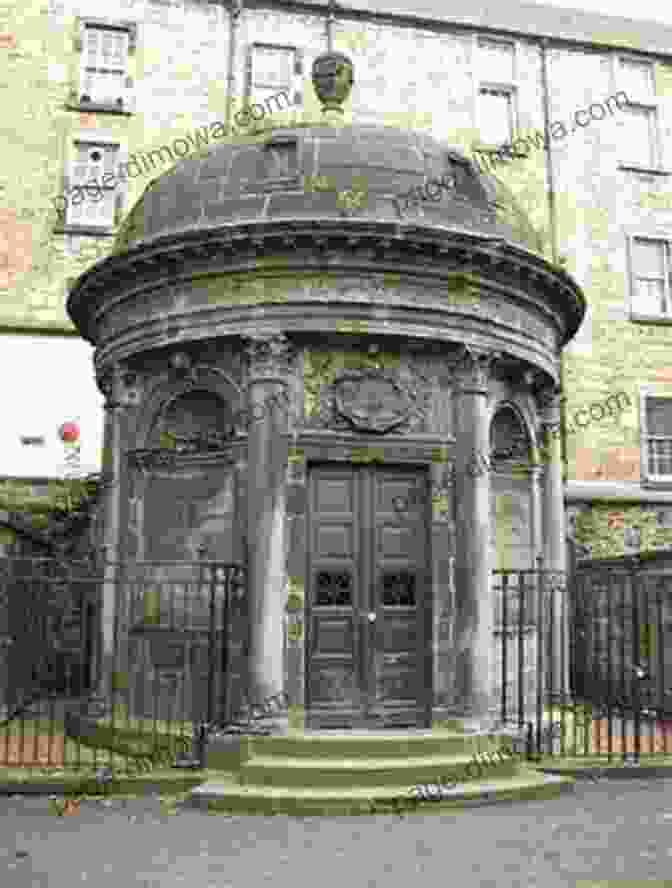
(550, 400)
(473, 369)
(269, 357)
(114, 384)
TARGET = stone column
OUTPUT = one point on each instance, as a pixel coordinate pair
(112, 386)
(535, 475)
(269, 360)
(555, 551)
(473, 701)
(296, 586)
(443, 592)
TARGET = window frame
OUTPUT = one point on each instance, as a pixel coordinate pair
(649, 479)
(649, 103)
(655, 163)
(666, 240)
(622, 61)
(93, 138)
(510, 87)
(296, 66)
(511, 94)
(76, 103)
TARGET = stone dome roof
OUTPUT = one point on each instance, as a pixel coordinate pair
(271, 177)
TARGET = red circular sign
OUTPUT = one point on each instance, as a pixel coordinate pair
(69, 432)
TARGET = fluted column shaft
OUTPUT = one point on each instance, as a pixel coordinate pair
(268, 365)
(555, 551)
(474, 622)
(112, 386)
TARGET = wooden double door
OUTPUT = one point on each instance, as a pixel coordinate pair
(368, 650)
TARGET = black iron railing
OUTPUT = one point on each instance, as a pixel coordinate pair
(75, 694)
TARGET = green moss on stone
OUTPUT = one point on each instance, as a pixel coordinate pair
(593, 527)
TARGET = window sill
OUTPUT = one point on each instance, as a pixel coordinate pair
(654, 484)
(86, 230)
(98, 108)
(663, 320)
(646, 171)
(502, 148)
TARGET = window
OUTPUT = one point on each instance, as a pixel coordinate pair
(496, 116)
(272, 71)
(496, 77)
(635, 78)
(650, 286)
(89, 201)
(657, 436)
(495, 62)
(104, 65)
(639, 143)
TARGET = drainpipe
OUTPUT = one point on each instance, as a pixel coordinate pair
(234, 15)
(330, 25)
(549, 156)
(552, 216)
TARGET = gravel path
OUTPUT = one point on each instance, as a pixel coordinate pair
(604, 831)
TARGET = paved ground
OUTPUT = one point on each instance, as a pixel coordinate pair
(605, 831)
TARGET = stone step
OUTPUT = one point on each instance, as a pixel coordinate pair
(224, 750)
(276, 771)
(230, 797)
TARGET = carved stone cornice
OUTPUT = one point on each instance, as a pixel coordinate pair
(146, 459)
(139, 269)
(474, 369)
(269, 357)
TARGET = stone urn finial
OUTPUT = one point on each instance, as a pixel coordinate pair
(333, 76)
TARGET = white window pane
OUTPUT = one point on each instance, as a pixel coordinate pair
(659, 416)
(264, 96)
(636, 142)
(114, 49)
(495, 118)
(93, 45)
(88, 83)
(637, 80)
(660, 457)
(110, 161)
(107, 86)
(495, 62)
(104, 64)
(92, 211)
(649, 297)
(649, 258)
(92, 162)
(272, 67)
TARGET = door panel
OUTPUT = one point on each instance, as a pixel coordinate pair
(333, 684)
(365, 660)
(397, 682)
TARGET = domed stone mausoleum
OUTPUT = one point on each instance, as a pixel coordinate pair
(327, 354)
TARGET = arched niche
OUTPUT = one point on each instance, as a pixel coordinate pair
(515, 505)
(509, 437)
(181, 500)
(194, 421)
(167, 389)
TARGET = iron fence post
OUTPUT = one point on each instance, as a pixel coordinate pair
(224, 713)
(211, 657)
(636, 656)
